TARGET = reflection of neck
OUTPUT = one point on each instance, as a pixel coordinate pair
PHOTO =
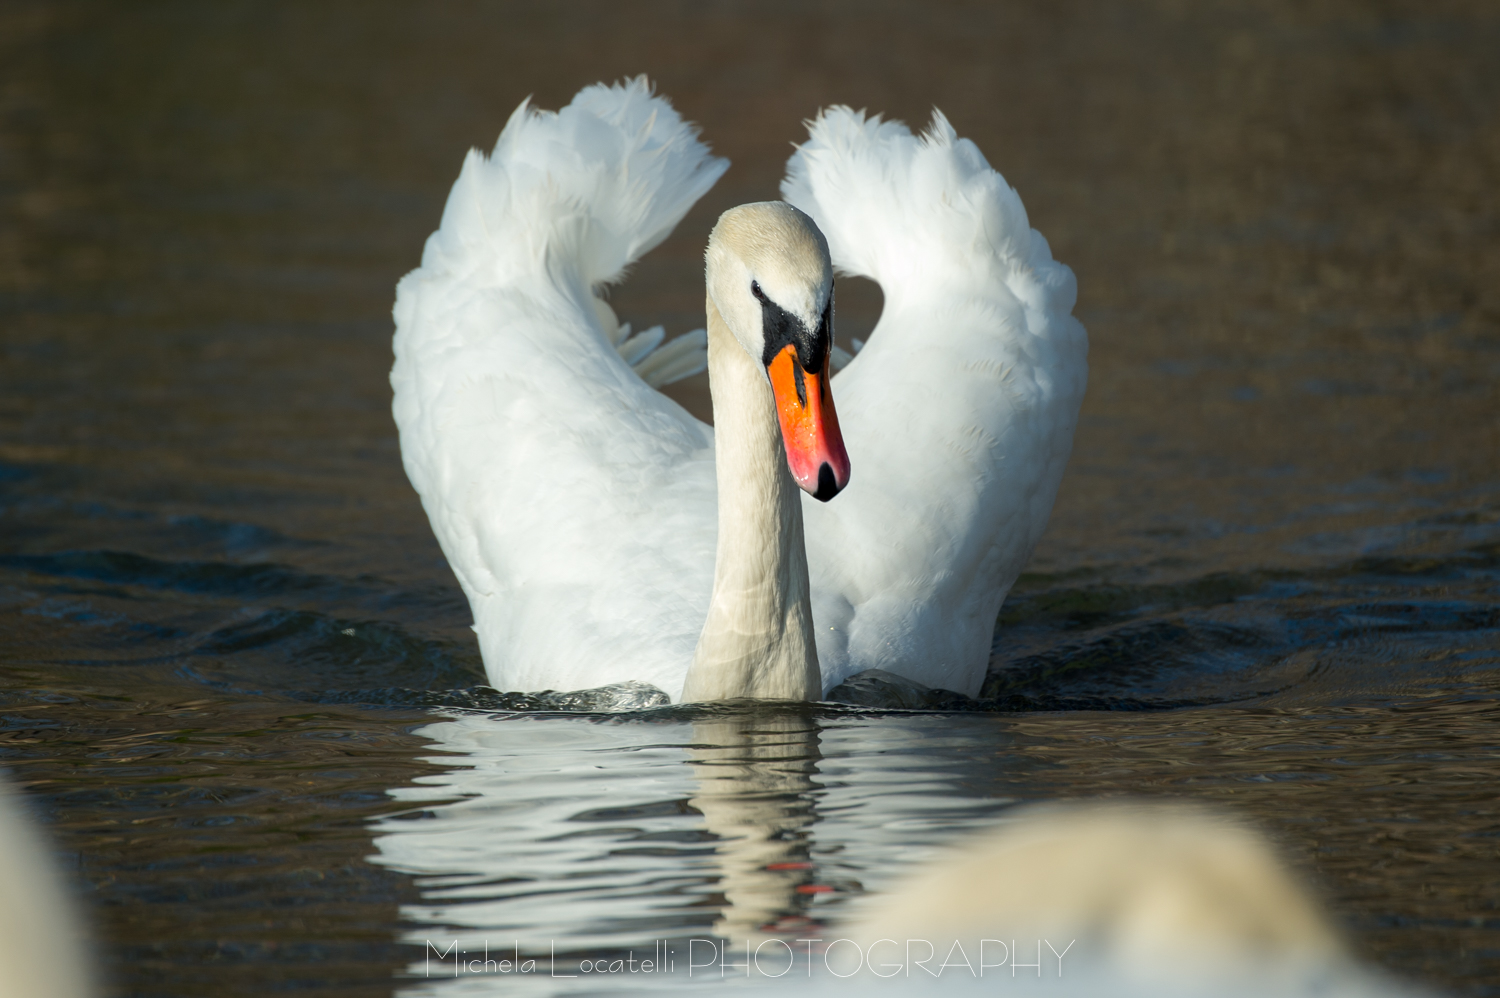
(758, 638)
(753, 776)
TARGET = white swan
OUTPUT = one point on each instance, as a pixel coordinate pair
(1142, 897)
(44, 949)
(580, 508)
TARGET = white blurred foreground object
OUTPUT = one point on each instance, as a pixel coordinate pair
(581, 509)
(1117, 898)
(43, 952)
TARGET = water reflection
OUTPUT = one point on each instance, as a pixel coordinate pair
(571, 839)
(684, 846)
(755, 783)
(542, 820)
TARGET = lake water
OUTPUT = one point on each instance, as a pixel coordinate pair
(236, 674)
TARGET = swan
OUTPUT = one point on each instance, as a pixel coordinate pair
(1141, 897)
(602, 534)
(44, 947)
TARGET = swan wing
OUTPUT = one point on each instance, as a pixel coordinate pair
(573, 500)
(958, 414)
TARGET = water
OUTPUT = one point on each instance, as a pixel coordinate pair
(237, 678)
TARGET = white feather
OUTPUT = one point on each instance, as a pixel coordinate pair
(577, 505)
(680, 358)
(958, 414)
(574, 502)
(638, 346)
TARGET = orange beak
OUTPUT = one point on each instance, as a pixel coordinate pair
(809, 426)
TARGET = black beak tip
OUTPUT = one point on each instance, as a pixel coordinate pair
(827, 487)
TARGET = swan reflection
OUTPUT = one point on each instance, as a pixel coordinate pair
(620, 854)
(586, 838)
(754, 789)
(569, 839)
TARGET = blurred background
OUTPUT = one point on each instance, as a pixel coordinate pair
(221, 606)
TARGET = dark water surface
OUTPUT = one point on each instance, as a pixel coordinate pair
(1272, 580)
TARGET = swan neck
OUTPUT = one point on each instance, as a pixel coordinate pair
(758, 639)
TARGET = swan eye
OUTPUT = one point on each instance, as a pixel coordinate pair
(756, 291)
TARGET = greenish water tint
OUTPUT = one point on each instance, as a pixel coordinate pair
(237, 678)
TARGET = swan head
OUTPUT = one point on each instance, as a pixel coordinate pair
(771, 279)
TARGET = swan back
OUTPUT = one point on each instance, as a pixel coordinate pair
(1115, 898)
(43, 947)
